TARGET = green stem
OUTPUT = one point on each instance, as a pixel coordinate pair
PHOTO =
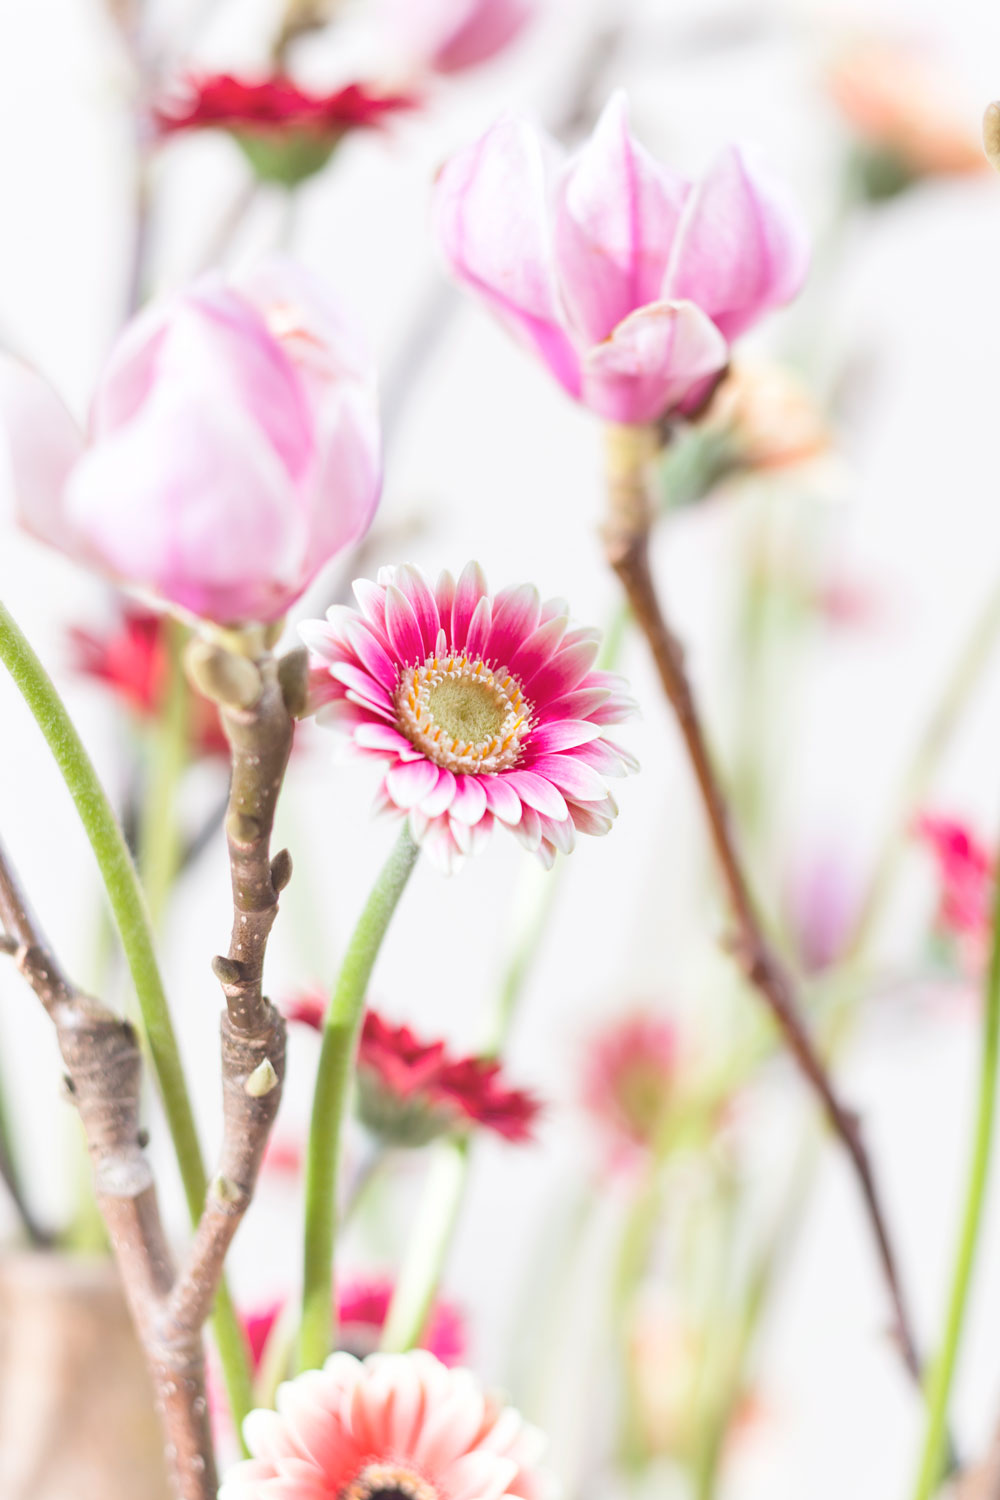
(943, 1369)
(132, 919)
(428, 1245)
(159, 839)
(333, 1077)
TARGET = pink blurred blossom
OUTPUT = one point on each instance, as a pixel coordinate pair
(448, 36)
(630, 1081)
(392, 1424)
(966, 872)
(362, 1308)
(626, 279)
(232, 448)
(486, 708)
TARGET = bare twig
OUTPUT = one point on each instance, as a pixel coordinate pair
(626, 541)
(104, 1066)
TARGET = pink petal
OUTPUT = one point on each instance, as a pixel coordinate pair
(383, 738)
(470, 800)
(515, 616)
(616, 216)
(571, 776)
(562, 673)
(410, 783)
(537, 792)
(371, 602)
(651, 361)
(561, 734)
(479, 630)
(444, 595)
(470, 589)
(359, 682)
(412, 583)
(741, 247)
(538, 649)
(441, 797)
(401, 624)
(501, 799)
(529, 830)
(372, 655)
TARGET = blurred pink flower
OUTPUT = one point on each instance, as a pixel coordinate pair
(487, 709)
(630, 1080)
(394, 1424)
(822, 905)
(362, 1308)
(232, 448)
(448, 36)
(132, 661)
(627, 280)
(966, 872)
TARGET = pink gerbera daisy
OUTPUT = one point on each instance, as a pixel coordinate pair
(630, 1080)
(393, 1427)
(487, 708)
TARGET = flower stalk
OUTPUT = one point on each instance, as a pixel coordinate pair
(942, 1371)
(626, 533)
(340, 1037)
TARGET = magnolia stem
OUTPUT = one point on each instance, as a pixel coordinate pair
(428, 1245)
(626, 540)
(340, 1036)
(133, 922)
(942, 1369)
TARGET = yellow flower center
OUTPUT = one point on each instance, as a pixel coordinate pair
(463, 714)
(387, 1482)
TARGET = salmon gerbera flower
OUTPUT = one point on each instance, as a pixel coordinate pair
(393, 1425)
(486, 706)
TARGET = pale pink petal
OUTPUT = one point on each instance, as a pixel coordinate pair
(361, 684)
(439, 798)
(538, 649)
(561, 734)
(383, 737)
(572, 776)
(444, 595)
(741, 247)
(371, 602)
(479, 630)
(373, 656)
(491, 213)
(529, 830)
(651, 362)
(616, 216)
(562, 673)
(515, 616)
(479, 1476)
(43, 443)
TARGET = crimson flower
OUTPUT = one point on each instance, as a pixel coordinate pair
(965, 871)
(132, 661)
(362, 1308)
(287, 133)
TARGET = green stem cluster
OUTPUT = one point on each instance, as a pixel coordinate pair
(132, 918)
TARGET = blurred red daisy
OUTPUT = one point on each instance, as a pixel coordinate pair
(132, 660)
(286, 132)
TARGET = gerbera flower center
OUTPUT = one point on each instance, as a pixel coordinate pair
(387, 1482)
(462, 713)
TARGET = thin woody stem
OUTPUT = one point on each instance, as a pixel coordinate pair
(104, 1066)
(626, 542)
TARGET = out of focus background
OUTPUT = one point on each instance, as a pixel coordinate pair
(828, 599)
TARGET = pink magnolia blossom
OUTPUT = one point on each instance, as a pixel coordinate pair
(487, 709)
(448, 36)
(400, 1424)
(232, 448)
(628, 281)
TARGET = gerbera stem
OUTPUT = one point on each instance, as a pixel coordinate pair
(132, 920)
(159, 841)
(428, 1246)
(630, 451)
(340, 1036)
(943, 1368)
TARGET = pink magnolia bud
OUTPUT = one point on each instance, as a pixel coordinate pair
(447, 36)
(232, 448)
(627, 280)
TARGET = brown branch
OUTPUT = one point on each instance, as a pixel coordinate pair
(626, 542)
(104, 1066)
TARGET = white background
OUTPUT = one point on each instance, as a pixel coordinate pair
(499, 466)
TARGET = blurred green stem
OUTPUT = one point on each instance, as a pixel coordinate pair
(942, 1371)
(135, 928)
(159, 838)
(428, 1245)
(340, 1034)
